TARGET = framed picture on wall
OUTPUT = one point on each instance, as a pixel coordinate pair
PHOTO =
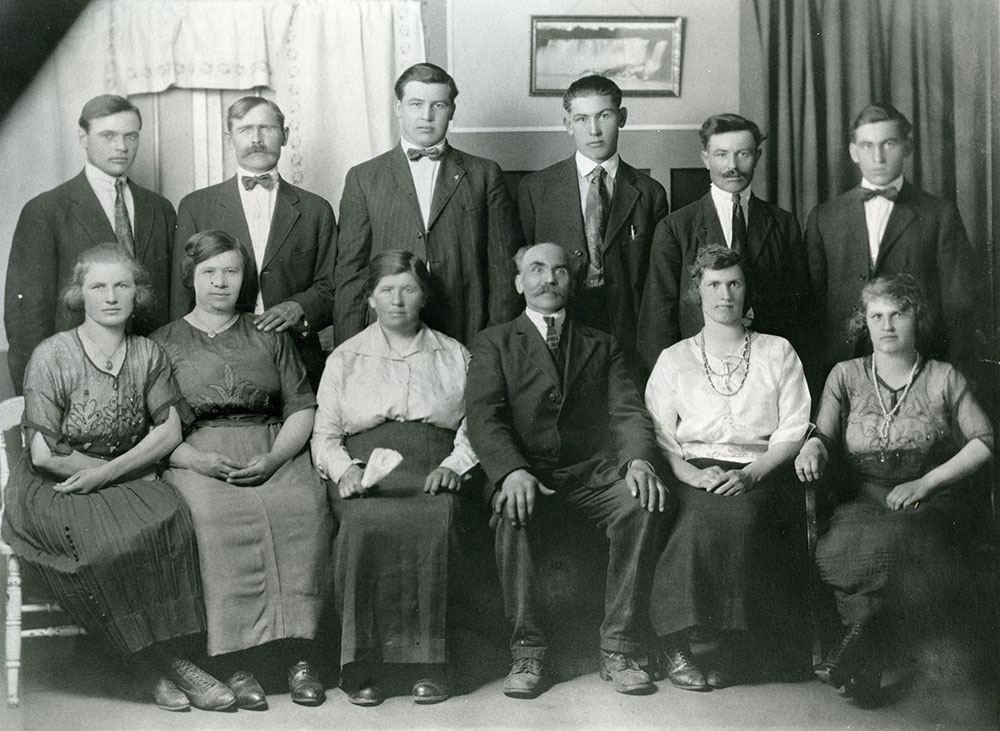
(640, 54)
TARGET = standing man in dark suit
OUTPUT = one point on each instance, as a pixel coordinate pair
(601, 210)
(99, 205)
(730, 215)
(449, 208)
(558, 424)
(290, 232)
(888, 226)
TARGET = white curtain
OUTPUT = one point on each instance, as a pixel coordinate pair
(329, 64)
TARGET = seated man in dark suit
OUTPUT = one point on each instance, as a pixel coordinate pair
(289, 232)
(768, 238)
(601, 210)
(887, 225)
(558, 425)
(99, 205)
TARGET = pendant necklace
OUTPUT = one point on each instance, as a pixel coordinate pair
(729, 370)
(210, 331)
(108, 358)
(889, 415)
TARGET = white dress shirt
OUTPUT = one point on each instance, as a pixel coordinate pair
(258, 209)
(366, 382)
(538, 320)
(877, 212)
(425, 173)
(585, 166)
(691, 419)
(104, 188)
(724, 207)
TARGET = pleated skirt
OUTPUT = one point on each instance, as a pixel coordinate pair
(392, 552)
(122, 561)
(264, 550)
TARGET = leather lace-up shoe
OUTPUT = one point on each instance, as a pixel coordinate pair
(202, 690)
(249, 695)
(625, 674)
(430, 690)
(168, 696)
(304, 684)
(524, 679)
(719, 678)
(680, 670)
(845, 659)
(367, 694)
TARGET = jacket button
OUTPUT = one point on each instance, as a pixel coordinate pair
(862, 277)
(553, 397)
(420, 236)
(578, 252)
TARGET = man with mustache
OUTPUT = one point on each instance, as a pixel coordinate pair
(99, 205)
(558, 426)
(290, 233)
(768, 238)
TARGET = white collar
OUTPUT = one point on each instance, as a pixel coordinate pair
(585, 166)
(240, 173)
(722, 197)
(897, 184)
(538, 319)
(96, 176)
(407, 145)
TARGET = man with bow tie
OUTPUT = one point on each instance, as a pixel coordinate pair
(448, 207)
(887, 225)
(101, 204)
(731, 215)
(290, 232)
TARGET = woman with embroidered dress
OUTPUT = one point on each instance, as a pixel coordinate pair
(730, 409)
(84, 504)
(908, 433)
(260, 511)
(397, 385)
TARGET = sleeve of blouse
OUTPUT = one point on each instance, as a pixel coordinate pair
(833, 407)
(462, 457)
(296, 393)
(162, 390)
(329, 454)
(45, 399)
(793, 398)
(970, 421)
(661, 403)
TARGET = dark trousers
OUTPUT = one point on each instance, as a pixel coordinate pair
(632, 533)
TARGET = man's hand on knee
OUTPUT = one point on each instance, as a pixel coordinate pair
(516, 497)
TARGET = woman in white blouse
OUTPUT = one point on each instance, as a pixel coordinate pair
(731, 408)
(400, 385)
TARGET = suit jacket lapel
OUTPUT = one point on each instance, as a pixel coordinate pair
(622, 202)
(399, 171)
(534, 348)
(88, 212)
(231, 216)
(759, 227)
(286, 213)
(450, 174)
(578, 351)
(900, 218)
(142, 200)
(709, 229)
(566, 198)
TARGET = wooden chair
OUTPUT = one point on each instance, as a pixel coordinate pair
(10, 417)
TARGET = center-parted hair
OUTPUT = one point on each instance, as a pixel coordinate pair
(241, 107)
(900, 289)
(593, 85)
(426, 73)
(715, 258)
(397, 261)
(110, 253)
(719, 124)
(203, 246)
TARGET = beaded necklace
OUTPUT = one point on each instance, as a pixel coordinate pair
(729, 370)
(889, 415)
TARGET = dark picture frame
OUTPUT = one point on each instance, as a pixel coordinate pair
(641, 54)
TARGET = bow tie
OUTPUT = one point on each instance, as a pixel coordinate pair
(252, 181)
(431, 153)
(887, 193)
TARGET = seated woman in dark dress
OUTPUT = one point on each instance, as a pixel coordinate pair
(730, 409)
(84, 504)
(260, 511)
(397, 385)
(908, 431)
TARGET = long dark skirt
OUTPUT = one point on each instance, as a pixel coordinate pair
(392, 552)
(733, 563)
(122, 561)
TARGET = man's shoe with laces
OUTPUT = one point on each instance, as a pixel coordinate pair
(524, 679)
(625, 674)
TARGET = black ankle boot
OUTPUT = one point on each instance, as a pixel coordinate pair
(846, 659)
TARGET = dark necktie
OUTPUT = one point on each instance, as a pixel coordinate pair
(595, 218)
(888, 193)
(431, 153)
(123, 227)
(551, 336)
(252, 181)
(739, 226)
